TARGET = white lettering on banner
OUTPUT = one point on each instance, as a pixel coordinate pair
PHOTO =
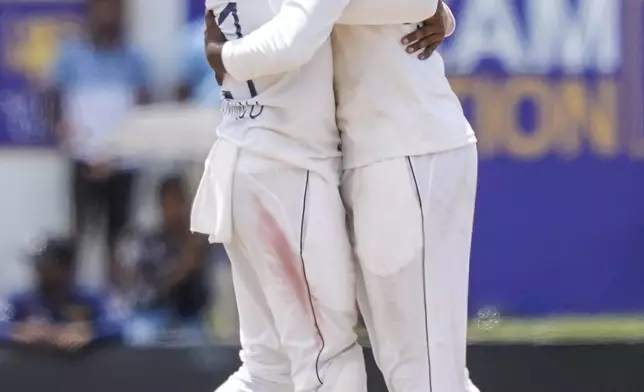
(591, 38)
(571, 37)
(486, 29)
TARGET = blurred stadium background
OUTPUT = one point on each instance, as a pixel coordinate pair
(555, 92)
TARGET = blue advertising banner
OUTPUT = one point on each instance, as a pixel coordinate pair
(29, 34)
(554, 90)
(196, 9)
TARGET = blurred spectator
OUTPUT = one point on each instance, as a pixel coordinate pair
(55, 311)
(95, 81)
(198, 84)
(167, 287)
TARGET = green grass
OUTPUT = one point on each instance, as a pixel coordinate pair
(561, 329)
(572, 329)
(547, 330)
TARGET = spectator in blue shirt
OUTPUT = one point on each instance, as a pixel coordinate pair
(56, 312)
(198, 83)
(96, 81)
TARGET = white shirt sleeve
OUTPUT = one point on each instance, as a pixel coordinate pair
(297, 31)
(450, 21)
(286, 42)
(383, 12)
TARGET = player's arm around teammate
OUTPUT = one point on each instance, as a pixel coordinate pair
(298, 30)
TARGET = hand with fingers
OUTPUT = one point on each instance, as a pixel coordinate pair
(428, 36)
(214, 41)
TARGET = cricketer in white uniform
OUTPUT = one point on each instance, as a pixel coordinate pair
(409, 184)
(270, 194)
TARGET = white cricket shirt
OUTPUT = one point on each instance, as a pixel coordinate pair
(390, 104)
(287, 116)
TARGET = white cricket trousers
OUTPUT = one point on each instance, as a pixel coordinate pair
(294, 280)
(411, 222)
